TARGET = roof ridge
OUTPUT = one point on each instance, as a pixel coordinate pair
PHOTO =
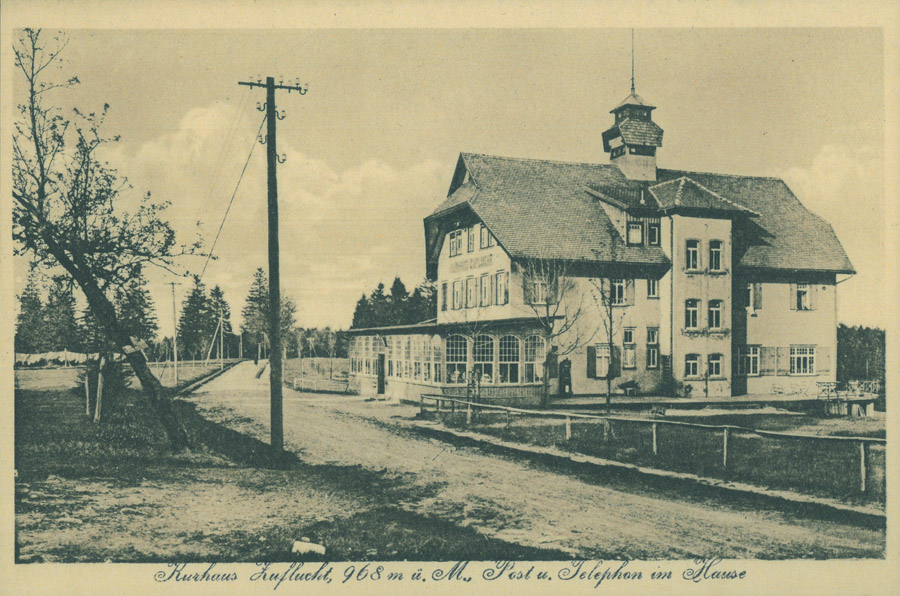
(680, 189)
(685, 173)
(557, 161)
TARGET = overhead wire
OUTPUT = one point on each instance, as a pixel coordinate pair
(231, 201)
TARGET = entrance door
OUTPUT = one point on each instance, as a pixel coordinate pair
(380, 371)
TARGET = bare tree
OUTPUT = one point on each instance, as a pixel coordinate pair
(553, 296)
(608, 299)
(67, 209)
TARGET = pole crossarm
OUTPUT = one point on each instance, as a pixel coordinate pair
(302, 89)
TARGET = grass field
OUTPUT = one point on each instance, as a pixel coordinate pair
(115, 492)
(823, 468)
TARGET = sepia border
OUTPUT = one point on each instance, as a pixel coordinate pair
(778, 577)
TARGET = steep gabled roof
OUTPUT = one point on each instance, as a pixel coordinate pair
(550, 209)
(785, 235)
(686, 193)
(539, 209)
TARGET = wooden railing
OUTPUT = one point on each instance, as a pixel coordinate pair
(443, 403)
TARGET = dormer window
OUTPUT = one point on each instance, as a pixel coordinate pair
(635, 233)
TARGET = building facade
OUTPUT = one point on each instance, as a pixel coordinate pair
(580, 278)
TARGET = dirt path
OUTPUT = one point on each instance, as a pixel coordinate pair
(511, 500)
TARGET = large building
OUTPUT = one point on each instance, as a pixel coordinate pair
(620, 275)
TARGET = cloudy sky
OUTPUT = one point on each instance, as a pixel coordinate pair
(371, 148)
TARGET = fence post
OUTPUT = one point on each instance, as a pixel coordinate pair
(99, 392)
(568, 429)
(421, 405)
(87, 394)
(507, 418)
(862, 466)
(452, 407)
(725, 448)
(654, 439)
(468, 412)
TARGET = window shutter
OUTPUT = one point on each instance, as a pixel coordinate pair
(812, 296)
(477, 291)
(592, 362)
(493, 290)
(527, 288)
(784, 361)
(757, 296)
(823, 360)
(793, 297)
(629, 292)
(767, 358)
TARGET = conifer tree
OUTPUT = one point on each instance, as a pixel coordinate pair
(197, 322)
(30, 322)
(61, 327)
(135, 310)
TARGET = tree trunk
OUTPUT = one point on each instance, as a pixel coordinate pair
(105, 312)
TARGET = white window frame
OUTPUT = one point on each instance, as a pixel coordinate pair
(638, 227)
(486, 293)
(717, 360)
(803, 361)
(471, 245)
(471, 298)
(715, 255)
(535, 353)
(692, 255)
(602, 360)
(653, 232)
(455, 243)
(482, 365)
(507, 362)
(692, 313)
(457, 294)
(748, 361)
(714, 307)
(692, 364)
(652, 288)
(502, 288)
(618, 290)
(456, 367)
(539, 291)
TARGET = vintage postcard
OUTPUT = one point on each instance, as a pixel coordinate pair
(320, 298)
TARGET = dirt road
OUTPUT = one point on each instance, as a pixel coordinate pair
(511, 500)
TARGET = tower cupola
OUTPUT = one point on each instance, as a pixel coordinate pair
(633, 138)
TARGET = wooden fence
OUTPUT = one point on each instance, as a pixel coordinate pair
(792, 458)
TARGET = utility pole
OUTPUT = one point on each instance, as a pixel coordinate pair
(276, 419)
(174, 331)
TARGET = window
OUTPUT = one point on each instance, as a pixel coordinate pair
(652, 347)
(444, 296)
(629, 356)
(802, 297)
(618, 291)
(487, 239)
(652, 288)
(502, 287)
(457, 348)
(471, 242)
(748, 295)
(457, 294)
(715, 314)
(715, 365)
(635, 232)
(803, 360)
(471, 301)
(483, 359)
(437, 354)
(691, 309)
(389, 349)
(715, 255)
(407, 358)
(509, 359)
(534, 359)
(455, 242)
(417, 357)
(538, 292)
(748, 361)
(692, 255)
(692, 365)
(602, 361)
(653, 234)
(426, 358)
(487, 289)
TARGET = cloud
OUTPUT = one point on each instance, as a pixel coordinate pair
(341, 231)
(845, 186)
